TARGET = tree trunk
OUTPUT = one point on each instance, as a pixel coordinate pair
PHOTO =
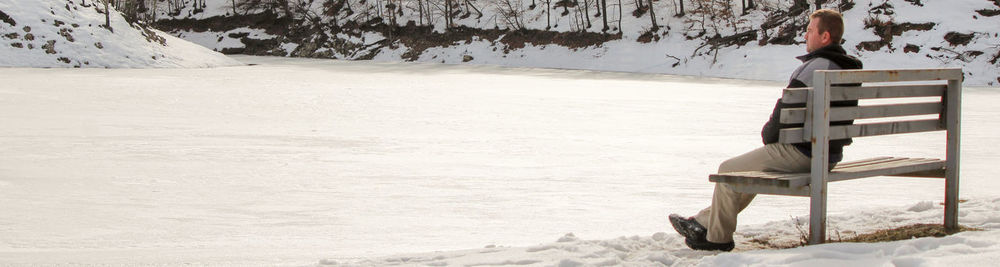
(420, 15)
(479, 12)
(548, 14)
(619, 15)
(800, 3)
(604, 14)
(107, 15)
(819, 4)
(447, 14)
(586, 12)
(652, 15)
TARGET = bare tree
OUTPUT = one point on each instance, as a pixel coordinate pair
(652, 15)
(748, 5)
(512, 13)
(604, 15)
(548, 14)
(819, 3)
(107, 15)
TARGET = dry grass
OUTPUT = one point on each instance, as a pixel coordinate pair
(885, 235)
(907, 232)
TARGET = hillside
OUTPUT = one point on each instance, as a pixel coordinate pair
(710, 39)
(56, 33)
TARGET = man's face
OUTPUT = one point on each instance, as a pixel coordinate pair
(815, 40)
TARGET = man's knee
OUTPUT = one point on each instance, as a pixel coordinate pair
(729, 165)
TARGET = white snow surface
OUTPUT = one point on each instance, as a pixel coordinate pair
(296, 162)
(75, 32)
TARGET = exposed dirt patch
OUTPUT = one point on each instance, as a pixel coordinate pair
(648, 37)
(792, 24)
(270, 22)
(50, 47)
(956, 38)
(887, 30)
(988, 12)
(5, 18)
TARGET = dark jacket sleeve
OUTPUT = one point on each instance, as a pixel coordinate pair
(769, 134)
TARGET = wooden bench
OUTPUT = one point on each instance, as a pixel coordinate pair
(943, 83)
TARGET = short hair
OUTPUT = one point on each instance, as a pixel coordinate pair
(830, 21)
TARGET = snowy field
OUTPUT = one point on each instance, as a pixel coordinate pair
(306, 162)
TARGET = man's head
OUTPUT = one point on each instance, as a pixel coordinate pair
(825, 27)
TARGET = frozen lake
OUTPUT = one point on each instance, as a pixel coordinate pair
(292, 160)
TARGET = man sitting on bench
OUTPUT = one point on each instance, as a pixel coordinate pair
(713, 227)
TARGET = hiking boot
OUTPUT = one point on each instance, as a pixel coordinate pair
(694, 234)
(688, 227)
(702, 244)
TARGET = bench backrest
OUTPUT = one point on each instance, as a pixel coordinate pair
(918, 83)
(946, 83)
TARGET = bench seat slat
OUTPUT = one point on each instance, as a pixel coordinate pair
(883, 166)
(795, 135)
(891, 169)
(843, 93)
(798, 115)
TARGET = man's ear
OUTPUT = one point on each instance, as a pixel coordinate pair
(825, 37)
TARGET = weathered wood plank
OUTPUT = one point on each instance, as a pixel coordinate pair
(953, 117)
(842, 93)
(882, 166)
(860, 162)
(819, 133)
(796, 135)
(802, 191)
(798, 115)
(862, 76)
(777, 179)
(888, 169)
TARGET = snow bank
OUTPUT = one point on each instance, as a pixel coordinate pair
(974, 248)
(678, 47)
(54, 33)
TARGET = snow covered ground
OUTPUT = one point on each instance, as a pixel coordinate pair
(306, 162)
(319, 162)
(64, 34)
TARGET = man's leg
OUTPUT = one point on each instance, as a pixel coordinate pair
(720, 217)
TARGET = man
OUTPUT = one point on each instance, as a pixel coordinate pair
(713, 227)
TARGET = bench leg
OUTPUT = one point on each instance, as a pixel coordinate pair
(817, 217)
(953, 118)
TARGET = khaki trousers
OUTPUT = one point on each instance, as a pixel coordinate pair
(720, 217)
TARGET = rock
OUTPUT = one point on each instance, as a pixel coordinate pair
(911, 48)
(467, 58)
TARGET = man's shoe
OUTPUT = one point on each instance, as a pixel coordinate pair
(703, 244)
(688, 227)
(694, 234)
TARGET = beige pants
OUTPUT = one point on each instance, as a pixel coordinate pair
(720, 217)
